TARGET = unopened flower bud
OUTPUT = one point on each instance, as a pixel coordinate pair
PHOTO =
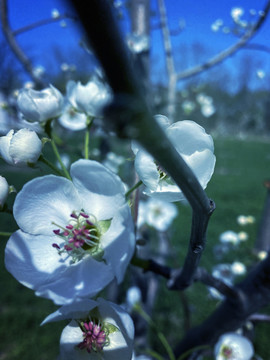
(20, 148)
(40, 105)
(4, 190)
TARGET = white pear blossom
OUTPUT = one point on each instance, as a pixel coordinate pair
(229, 237)
(224, 273)
(89, 98)
(138, 43)
(41, 105)
(236, 13)
(157, 213)
(194, 145)
(232, 346)
(238, 268)
(75, 237)
(133, 297)
(98, 330)
(20, 148)
(4, 191)
(72, 119)
(113, 161)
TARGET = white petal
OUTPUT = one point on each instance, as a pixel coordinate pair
(188, 137)
(4, 147)
(45, 200)
(119, 242)
(72, 336)
(25, 146)
(83, 279)
(4, 190)
(32, 260)
(101, 191)
(203, 164)
(77, 310)
(147, 169)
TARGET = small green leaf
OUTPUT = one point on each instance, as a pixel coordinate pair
(104, 225)
(111, 328)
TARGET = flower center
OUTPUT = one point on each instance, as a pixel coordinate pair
(95, 336)
(227, 352)
(81, 236)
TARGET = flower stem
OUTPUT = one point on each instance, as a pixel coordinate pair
(59, 159)
(139, 183)
(160, 335)
(50, 164)
(87, 136)
(7, 234)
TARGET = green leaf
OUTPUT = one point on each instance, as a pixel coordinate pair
(103, 226)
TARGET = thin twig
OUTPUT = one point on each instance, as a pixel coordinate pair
(227, 52)
(24, 60)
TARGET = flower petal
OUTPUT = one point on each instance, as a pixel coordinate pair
(119, 242)
(77, 310)
(101, 191)
(32, 260)
(45, 200)
(188, 137)
(147, 169)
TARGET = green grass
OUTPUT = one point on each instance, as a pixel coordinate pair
(236, 187)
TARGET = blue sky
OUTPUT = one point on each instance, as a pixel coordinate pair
(198, 15)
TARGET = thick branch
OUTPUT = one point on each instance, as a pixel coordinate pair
(252, 294)
(131, 118)
(14, 45)
(227, 52)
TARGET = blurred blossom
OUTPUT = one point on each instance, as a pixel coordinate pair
(160, 214)
(20, 148)
(229, 237)
(232, 346)
(39, 71)
(260, 74)
(245, 220)
(224, 273)
(252, 12)
(238, 268)
(243, 236)
(72, 119)
(236, 13)
(98, 329)
(226, 30)
(138, 43)
(64, 67)
(133, 297)
(40, 105)
(63, 23)
(55, 13)
(113, 161)
(193, 144)
(188, 106)
(262, 255)
(89, 98)
(4, 191)
(216, 25)
(261, 13)
(208, 110)
(65, 160)
(220, 250)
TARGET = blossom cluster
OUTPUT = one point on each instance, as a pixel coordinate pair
(76, 232)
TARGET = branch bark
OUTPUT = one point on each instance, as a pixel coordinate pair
(131, 118)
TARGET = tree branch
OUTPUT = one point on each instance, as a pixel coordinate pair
(252, 294)
(131, 118)
(14, 45)
(227, 52)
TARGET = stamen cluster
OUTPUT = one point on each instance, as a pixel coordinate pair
(81, 235)
(95, 337)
